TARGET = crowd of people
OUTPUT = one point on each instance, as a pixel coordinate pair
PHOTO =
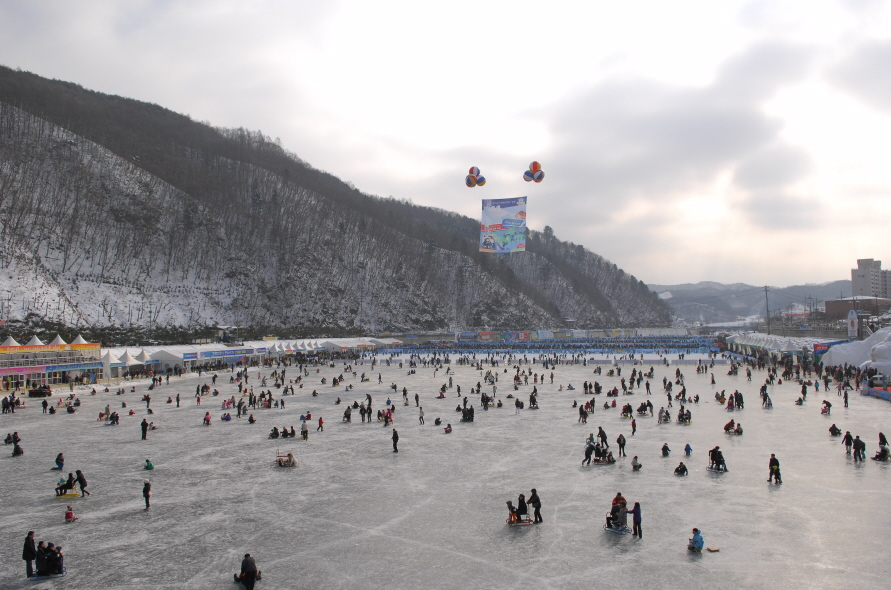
(518, 371)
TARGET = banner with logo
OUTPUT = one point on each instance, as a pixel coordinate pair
(503, 225)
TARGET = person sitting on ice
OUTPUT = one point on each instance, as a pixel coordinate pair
(730, 426)
(251, 419)
(69, 515)
(696, 543)
(688, 417)
(834, 430)
(882, 454)
(799, 401)
(635, 464)
(65, 485)
(148, 465)
(512, 511)
(827, 407)
(448, 428)
(207, 419)
(169, 400)
(613, 518)
(681, 469)
(738, 429)
(274, 432)
(609, 457)
(665, 450)
(288, 461)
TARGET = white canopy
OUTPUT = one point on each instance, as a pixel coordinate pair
(58, 340)
(35, 341)
(79, 340)
(128, 358)
(10, 342)
(143, 356)
(109, 358)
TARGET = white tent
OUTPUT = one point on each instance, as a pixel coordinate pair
(128, 358)
(79, 340)
(58, 340)
(10, 342)
(35, 341)
(143, 357)
(108, 358)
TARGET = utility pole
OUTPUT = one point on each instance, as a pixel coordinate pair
(767, 306)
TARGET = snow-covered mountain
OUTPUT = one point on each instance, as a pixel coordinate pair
(117, 212)
(718, 302)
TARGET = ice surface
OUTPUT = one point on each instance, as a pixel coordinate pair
(356, 515)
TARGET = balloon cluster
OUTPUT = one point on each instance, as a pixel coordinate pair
(535, 173)
(474, 178)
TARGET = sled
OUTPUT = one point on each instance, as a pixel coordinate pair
(621, 530)
(69, 494)
(600, 462)
(712, 549)
(36, 577)
(522, 522)
(716, 470)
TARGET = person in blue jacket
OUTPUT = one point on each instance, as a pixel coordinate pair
(696, 542)
(635, 513)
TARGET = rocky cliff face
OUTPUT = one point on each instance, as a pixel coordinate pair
(226, 227)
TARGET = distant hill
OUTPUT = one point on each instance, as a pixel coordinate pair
(710, 302)
(119, 212)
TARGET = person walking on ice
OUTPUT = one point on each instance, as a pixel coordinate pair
(421, 416)
(395, 441)
(147, 494)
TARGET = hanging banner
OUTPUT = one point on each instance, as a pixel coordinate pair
(853, 324)
(503, 225)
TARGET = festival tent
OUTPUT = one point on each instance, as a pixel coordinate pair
(58, 340)
(129, 360)
(79, 340)
(10, 341)
(35, 341)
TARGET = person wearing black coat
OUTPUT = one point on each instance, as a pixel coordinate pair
(29, 553)
(248, 571)
(40, 560)
(395, 441)
(773, 467)
(144, 426)
(535, 501)
(83, 483)
(522, 509)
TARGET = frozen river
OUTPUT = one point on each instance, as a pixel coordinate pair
(356, 515)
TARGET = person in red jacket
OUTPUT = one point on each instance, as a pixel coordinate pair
(321, 425)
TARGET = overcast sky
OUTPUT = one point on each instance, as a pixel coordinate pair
(684, 141)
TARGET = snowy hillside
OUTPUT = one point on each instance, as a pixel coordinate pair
(91, 236)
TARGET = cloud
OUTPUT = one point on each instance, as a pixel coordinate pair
(639, 139)
(864, 74)
(772, 167)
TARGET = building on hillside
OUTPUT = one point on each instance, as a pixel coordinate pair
(869, 280)
(838, 309)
